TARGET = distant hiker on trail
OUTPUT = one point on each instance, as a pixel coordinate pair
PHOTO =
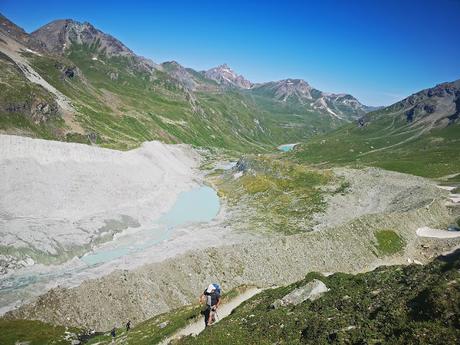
(128, 325)
(211, 298)
(113, 334)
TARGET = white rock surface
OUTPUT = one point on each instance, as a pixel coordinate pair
(58, 196)
(437, 233)
(310, 291)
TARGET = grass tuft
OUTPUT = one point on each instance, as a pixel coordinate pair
(388, 242)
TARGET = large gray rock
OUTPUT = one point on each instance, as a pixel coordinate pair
(310, 291)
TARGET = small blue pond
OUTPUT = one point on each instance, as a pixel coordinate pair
(286, 147)
(195, 206)
(198, 205)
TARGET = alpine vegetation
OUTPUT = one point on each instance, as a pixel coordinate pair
(306, 190)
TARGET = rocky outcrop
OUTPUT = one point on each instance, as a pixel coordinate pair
(310, 291)
(433, 107)
(38, 109)
(225, 76)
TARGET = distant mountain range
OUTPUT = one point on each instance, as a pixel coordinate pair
(70, 81)
(418, 135)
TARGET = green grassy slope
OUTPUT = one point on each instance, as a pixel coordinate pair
(391, 305)
(390, 143)
(416, 304)
(150, 331)
(291, 120)
(120, 104)
(35, 333)
(18, 102)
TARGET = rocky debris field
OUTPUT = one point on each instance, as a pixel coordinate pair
(371, 191)
(358, 245)
(369, 218)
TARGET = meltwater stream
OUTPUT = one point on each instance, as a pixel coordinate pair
(199, 205)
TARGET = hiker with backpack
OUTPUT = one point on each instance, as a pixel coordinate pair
(113, 334)
(211, 298)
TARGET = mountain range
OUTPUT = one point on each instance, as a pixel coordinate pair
(320, 207)
(70, 81)
(418, 135)
(119, 99)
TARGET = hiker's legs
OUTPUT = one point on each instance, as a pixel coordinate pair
(211, 317)
(207, 313)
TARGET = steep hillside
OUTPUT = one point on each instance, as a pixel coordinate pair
(418, 135)
(10, 29)
(115, 98)
(391, 305)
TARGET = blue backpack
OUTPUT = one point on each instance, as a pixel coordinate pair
(218, 289)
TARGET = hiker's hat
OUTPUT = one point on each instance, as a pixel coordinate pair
(210, 288)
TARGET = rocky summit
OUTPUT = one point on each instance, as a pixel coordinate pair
(224, 75)
(59, 35)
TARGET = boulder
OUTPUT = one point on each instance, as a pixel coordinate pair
(310, 291)
(163, 324)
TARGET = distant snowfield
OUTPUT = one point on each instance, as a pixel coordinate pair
(436, 233)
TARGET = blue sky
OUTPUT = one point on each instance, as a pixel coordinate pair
(379, 51)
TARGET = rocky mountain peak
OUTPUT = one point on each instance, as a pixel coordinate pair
(60, 34)
(180, 73)
(438, 106)
(299, 92)
(224, 75)
(172, 63)
(287, 89)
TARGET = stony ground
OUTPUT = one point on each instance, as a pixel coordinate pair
(361, 244)
(372, 191)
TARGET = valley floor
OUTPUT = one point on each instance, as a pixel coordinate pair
(351, 220)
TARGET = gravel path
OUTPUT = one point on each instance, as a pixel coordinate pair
(197, 327)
